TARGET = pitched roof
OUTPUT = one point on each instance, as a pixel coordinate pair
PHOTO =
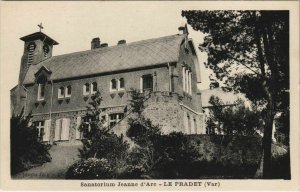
(227, 98)
(41, 36)
(107, 59)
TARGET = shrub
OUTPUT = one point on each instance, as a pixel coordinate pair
(27, 150)
(103, 154)
(91, 168)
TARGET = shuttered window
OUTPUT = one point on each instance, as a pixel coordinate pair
(46, 136)
(57, 134)
(78, 133)
(65, 129)
(62, 129)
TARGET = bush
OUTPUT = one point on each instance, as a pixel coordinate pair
(103, 154)
(27, 150)
(91, 168)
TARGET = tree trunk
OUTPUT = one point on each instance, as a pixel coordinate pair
(267, 144)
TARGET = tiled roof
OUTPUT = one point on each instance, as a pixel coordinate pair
(107, 59)
(227, 98)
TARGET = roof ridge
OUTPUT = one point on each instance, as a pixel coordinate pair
(111, 47)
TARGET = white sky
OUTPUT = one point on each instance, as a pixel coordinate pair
(74, 24)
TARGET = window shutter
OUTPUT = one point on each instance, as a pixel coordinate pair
(78, 123)
(183, 78)
(47, 127)
(65, 129)
(57, 130)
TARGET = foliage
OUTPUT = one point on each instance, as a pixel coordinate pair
(98, 141)
(236, 119)
(137, 101)
(156, 155)
(249, 52)
(91, 168)
(103, 152)
(27, 149)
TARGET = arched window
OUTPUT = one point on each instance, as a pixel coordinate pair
(113, 85)
(41, 87)
(68, 91)
(94, 87)
(86, 89)
(61, 92)
(121, 83)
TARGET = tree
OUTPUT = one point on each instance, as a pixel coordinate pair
(98, 140)
(27, 149)
(103, 154)
(236, 119)
(249, 52)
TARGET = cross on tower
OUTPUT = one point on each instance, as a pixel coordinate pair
(40, 26)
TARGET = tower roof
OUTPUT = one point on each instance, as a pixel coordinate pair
(41, 36)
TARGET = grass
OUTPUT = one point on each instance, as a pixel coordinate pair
(62, 157)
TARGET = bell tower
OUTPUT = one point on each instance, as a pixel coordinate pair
(37, 47)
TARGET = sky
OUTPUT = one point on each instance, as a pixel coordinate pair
(74, 24)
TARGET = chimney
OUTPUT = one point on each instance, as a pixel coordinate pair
(121, 42)
(183, 29)
(95, 43)
(104, 45)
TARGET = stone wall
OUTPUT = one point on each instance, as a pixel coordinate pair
(227, 149)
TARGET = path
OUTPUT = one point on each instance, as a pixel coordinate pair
(63, 155)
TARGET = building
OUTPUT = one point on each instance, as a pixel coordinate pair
(57, 89)
(228, 98)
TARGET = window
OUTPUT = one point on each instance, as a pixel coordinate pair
(41, 92)
(41, 87)
(147, 82)
(68, 91)
(86, 89)
(94, 87)
(87, 121)
(113, 85)
(121, 83)
(115, 118)
(187, 80)
(40, 127)
(61, 92)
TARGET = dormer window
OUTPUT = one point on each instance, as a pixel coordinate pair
(41, 88)
(86, 89)
(113, 85)
(94, 87)
(68, 91)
